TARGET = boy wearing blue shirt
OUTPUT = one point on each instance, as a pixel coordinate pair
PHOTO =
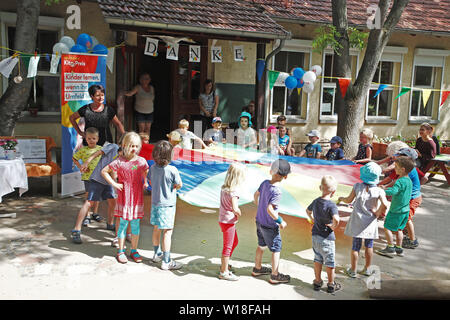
(335, 152)
(312, 149)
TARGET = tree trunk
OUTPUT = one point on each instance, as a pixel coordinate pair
(351, 109)
(16, 96)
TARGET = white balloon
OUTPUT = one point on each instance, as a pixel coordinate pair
(308, 87)
(281, 78)
(309, 76)
(317, 70)
(68, 41)
(60, 48)
(94, 41)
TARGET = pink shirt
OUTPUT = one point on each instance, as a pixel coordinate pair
(226, 214)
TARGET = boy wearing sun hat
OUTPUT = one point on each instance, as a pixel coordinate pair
(312, 149)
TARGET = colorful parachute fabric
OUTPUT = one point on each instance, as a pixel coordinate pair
(203, 173)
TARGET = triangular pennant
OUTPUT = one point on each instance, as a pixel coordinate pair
(110, 59)
(343, 84)
(425, 96)
(7, 65)
(299, 90)
(380, 88)
(444, 97)
(273, 75)
(403, 91)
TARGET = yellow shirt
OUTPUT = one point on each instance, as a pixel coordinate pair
(83, 154)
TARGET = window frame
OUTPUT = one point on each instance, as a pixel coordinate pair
(427, 58)
(8, 19)
(332, 85)
(299, 46)
(395, 55)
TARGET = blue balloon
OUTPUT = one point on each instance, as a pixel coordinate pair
(298, 73)
(85, 40)
(100, 49)
(290, 82)
(78, 48)
(300, 83)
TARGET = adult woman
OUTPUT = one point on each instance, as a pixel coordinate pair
(143, 106)
(208, 102)
(97, 115)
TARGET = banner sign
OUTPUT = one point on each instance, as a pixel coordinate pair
(78, 72)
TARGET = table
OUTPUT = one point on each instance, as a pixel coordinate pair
(442, 160)
(13, 174)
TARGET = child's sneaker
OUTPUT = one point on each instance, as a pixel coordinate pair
(333, 287)
(399, 251)
(317, 285)
(387, 252)
(157, 257)
(408, 244)
(279, 278)
(350, 273)
(228, 276)
(111, 227)
(365, 272)
(115, 242)
(86, 221)
(76, 236)
(172, 265)
(261, 271)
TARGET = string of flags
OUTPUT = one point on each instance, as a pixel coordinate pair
(279, 78)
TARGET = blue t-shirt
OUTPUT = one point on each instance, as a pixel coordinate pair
(312, 149)
(268, 194)
(323, 212)
(414, 176)
(335, 154)
(283, 141)
(162, 180)
(111, 152)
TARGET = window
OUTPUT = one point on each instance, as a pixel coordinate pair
(284, 101)
(427, 75)
(328, 110)
(45, 92)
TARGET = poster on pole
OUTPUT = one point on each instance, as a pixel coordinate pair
(78, 72)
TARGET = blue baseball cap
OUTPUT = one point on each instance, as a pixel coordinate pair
(336, 139)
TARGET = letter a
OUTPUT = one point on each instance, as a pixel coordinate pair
(74, 20)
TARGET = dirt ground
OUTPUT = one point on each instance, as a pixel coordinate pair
(39, 261)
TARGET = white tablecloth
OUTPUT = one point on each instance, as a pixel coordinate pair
(13, 174)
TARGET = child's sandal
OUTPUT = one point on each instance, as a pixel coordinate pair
(97, 217)
(136, 257)
(121, 257)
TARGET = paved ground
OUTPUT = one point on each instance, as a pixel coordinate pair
(39, 261)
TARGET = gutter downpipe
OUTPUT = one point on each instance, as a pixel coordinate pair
(266, 78)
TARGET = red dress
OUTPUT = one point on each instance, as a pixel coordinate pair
(130, 201)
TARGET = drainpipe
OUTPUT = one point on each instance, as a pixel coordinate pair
(266, 78)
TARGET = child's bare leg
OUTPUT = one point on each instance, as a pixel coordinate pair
(258, 257)
(389, 236)
(82, 214)
(330, 274)
(411, 232)
(275, 262)
(369, 256)
(156, 237)
(167, 240)
(224, 266)
(95, 207)
(399, 238)
(318, 272)
(111, 205)
(354, 255)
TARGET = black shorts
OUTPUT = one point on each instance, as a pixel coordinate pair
(144, 117)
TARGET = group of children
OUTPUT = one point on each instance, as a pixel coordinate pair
(117, 173)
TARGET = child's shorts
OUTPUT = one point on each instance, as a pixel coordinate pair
(98, 191)
(357, 243)
(413, 205)
(163, 217)
(269, 237)
(324, 250)
(396, 221)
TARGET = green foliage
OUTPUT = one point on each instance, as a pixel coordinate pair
(328, 36)
(50, 2)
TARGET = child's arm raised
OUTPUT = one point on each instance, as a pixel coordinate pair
(107, 176)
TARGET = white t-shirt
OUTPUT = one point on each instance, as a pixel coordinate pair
(186, 139)
(244, 137)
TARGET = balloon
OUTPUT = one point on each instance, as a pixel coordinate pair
(300, 83)
(282, 78)
(85, 40)
(309, 76)
(94, 41)
(308, 87)
(317, 70)
(298, 73)
(60, 48)
(68, 41)
(78, 48)
(100, 49)
(290, 82)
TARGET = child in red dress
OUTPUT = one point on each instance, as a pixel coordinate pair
(131, 173)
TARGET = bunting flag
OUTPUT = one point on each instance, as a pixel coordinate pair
(343, 84)
(172, 51)
(110, 59)
(380, 88)
(216, 54)
(273, 76)
(54, 63)
(444, 97)
(32, 66)
(194, 53)
(403, 91)
(425, 96)
(151, 47)
(238, 53)
(7, 65)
